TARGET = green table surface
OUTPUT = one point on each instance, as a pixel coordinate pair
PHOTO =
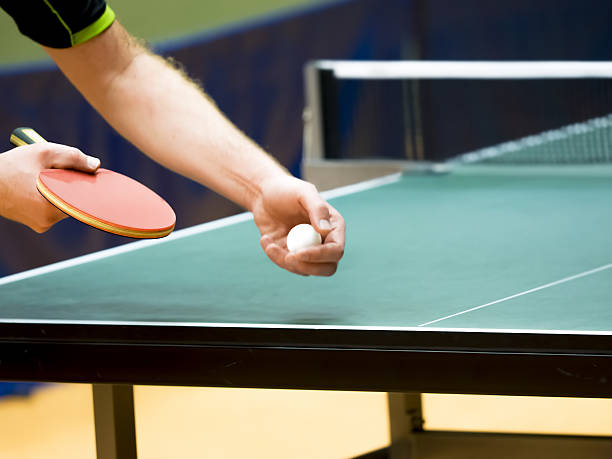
(418, 249)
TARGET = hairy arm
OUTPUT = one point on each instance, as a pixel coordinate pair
(171, 119)
(165, 115)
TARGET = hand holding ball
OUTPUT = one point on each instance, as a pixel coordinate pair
(301, 237)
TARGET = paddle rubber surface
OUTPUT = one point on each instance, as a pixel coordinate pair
(108, 201)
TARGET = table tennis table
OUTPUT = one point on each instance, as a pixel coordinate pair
(474, 278)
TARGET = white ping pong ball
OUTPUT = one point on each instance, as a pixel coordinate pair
(302, 236)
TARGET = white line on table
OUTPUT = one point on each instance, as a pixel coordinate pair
(516, 295)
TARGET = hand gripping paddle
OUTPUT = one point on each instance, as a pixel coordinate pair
(105, 200)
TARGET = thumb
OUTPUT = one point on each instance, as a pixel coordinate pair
(318, 212)
(65, 157)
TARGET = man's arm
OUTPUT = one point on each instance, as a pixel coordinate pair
(164, 114)
(171, 120)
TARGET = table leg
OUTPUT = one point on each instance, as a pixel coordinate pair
(114, 421)
(410, 441)
(405, 420)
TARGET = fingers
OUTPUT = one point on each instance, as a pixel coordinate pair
(19, 168)
(277, 254)
(332, 249)
(289, 261)
(58, 156)
(338, 232)
(330, 252)
(46, 219)
(317, 209)
(286, 202)
(311, 269)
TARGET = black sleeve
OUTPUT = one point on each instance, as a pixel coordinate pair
(60, 23)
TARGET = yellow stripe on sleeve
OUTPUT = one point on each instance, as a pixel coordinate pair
(95, 29)
(60, 19)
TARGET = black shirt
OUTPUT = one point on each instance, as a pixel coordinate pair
(60, 23)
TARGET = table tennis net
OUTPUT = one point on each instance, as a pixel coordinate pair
(577, 143)
(528, 113)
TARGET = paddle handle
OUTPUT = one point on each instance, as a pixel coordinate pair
(25, 136)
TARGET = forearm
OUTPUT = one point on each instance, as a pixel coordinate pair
(168, 117)
(173, 122)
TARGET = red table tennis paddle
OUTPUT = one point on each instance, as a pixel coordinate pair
(106, 200)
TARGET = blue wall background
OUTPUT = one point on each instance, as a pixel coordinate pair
(514, 29)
